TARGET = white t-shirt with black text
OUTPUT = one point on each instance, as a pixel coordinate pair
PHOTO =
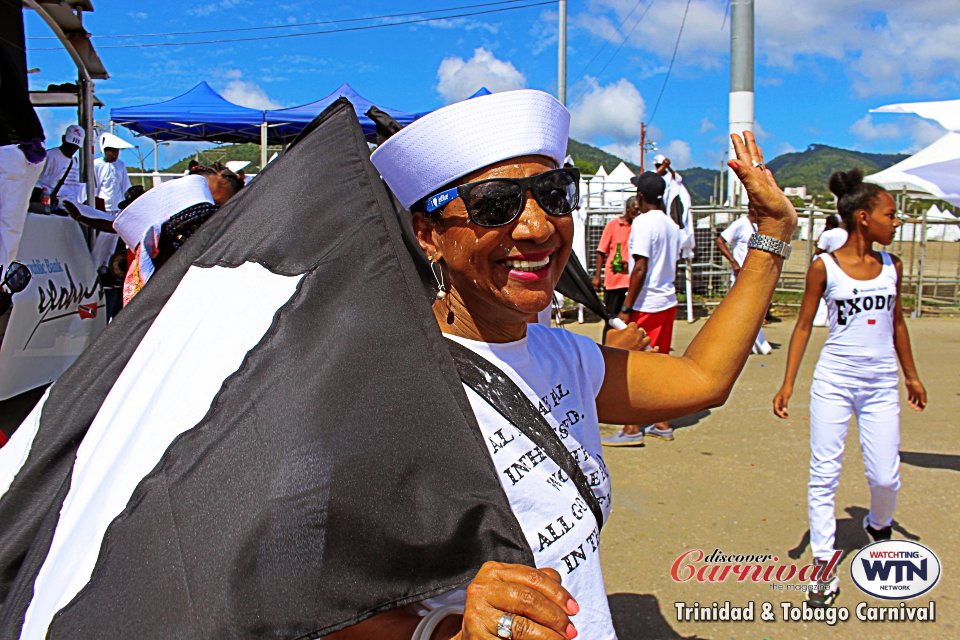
(656, 237)
(561, 373)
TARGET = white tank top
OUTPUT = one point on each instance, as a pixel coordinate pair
(860, 344)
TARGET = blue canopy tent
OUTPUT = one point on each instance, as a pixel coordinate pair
(199, 114)
(285, 124)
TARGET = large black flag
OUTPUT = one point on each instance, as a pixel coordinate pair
(270, 441)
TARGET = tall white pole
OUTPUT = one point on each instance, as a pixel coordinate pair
(562, 54)
(741, 84)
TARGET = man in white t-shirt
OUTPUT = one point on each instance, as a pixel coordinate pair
(732, 243)
(833, 237)
(651, 299)
(60, 177)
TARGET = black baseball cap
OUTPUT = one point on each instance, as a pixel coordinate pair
(649, 185)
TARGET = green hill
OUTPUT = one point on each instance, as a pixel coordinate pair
(812, 168)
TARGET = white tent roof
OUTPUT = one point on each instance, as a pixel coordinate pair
(945, 112)
(914, 174)
(945, 175)
(621, 174)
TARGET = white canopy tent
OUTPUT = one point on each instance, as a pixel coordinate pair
(908, 175)
(946, 113)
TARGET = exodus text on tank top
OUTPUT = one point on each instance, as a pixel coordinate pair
(860, 344)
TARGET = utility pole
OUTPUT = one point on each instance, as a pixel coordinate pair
(562, 54)
(643, 144)
(741, 83)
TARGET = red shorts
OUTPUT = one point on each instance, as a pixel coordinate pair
(658, 325)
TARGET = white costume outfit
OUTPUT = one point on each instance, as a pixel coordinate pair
(737, 236)
(112, 183)
(54, 169)
(675, 189)
(17, 177)
(655, 237)
(857, 373)
(561, 373)
(828, 242)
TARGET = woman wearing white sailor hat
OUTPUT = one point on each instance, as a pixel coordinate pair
(491, 210)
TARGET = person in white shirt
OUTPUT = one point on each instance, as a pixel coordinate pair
(60, 177)
(737, 236)
(832, 238)
(112, 184)
(678, 204)
(651, 299)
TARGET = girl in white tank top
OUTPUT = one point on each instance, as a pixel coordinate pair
(857, 372)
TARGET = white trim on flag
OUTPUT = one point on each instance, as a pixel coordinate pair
(13, 455)
(201, 337)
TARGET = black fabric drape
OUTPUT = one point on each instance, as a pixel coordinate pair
(339, 471)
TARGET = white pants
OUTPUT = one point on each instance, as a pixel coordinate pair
(17, 179)
(878, 420)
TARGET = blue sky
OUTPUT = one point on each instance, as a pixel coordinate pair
(820, 64)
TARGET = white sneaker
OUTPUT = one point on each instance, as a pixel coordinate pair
(823, 593)
(663, 434)
(621, 439)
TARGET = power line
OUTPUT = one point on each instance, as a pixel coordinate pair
(311, 33)
(290, 25)
(606, 42)
(670, 68)
(627, 37)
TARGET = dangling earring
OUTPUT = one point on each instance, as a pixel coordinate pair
(438, 276)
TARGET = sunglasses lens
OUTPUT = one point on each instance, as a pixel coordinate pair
(557, 192)
(494, 202)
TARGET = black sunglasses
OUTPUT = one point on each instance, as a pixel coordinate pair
(499, 201)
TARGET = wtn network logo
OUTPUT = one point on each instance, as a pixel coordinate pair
(895, 569)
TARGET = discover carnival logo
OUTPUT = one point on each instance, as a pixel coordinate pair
(895, 569)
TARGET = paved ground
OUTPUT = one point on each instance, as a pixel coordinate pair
(735, 480)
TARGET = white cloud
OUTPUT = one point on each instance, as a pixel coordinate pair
(706, 125)
(609, 111)
(921, 132)
(458, 78)
(886, 46)
(679, 153)
(247, 93)
(624, 151)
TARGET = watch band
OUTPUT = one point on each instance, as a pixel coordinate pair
(626, 309)
(770, 245)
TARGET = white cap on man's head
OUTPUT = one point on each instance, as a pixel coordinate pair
(465, 136)
(110, 141)
(74, 135)
(658, 159)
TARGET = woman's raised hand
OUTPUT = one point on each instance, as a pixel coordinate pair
(537, 607)
(776, 216)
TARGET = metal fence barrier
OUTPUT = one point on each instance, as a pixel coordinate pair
(929, 249)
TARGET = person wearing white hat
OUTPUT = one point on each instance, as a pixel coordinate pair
(491, 207)
(112, 184)
(111, 173)
(678, 204)
(60, 178)
(157, 223)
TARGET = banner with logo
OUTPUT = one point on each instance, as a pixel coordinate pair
(58, 314)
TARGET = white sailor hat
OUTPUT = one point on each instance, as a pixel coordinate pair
(158, 205)
(465, 136)
(74, 135)
(658, 159)
(110, 141)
